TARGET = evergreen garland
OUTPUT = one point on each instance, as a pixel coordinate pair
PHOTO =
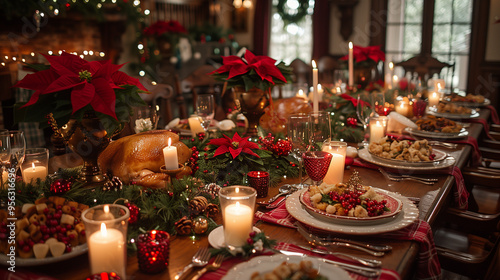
(292, 17)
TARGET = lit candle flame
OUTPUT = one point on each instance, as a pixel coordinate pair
(33, 166)
(169, 141)
(350, 45)
(313, 64)
(237, 190)
(106, 209)
(104, 232)
(391, 65)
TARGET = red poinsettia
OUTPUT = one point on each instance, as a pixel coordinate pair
(364, 53)
(252, 71)
(235, 146)
(162, 27)
(91, 82)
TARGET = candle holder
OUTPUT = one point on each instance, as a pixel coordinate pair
(106, 233)
(237, 204)
(104, 276)
(153, 250)
(259, 180)
(335, 173)
(35, 165)
(378, 128)
(173, 172)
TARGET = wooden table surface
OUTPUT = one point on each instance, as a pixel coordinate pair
(401, 259)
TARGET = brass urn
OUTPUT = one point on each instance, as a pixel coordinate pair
(251, 103)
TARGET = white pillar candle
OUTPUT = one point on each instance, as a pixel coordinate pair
(395, 80)
(434, 99)
(107, 251)
(335, 173)
(351, 65)
(238, 220)
(302, 94)
(402, 108)
(34, 172)
(376, 131)
(315, 87)
(195, 125)
(170, 156)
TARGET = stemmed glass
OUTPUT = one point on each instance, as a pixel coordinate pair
(317, 164)
(205, 109)
(146, 118)
(363, 111)
(4, 153)
(298, 134)
(320, 128)
(18, 148)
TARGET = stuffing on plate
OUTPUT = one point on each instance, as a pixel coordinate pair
(452, 109)
(475, 98)
(293, 271)
(435, 124)
(412, 151)
(341, 200)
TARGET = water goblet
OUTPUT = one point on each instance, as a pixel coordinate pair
(363, 111)
(317, 164)
(320, 129)
(298, 134)
(18, 148)
(205, 109)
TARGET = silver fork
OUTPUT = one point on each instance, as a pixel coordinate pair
(443, 144)
(213, 266)
(397, 178)
(363, 261)
(200, 258)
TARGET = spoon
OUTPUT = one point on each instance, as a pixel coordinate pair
(283, 190)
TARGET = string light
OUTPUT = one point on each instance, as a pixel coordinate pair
(56, 12)
(32, 54)
(49, 52)
(6, 57)
(146, 12)
(23, 60)
(140, 46)
(91, 52)
(60, 52)
(102, 54)
(99, 5)
(142, 73)
(14, 58)
(85, 52)
(3, 63)
(137, 3)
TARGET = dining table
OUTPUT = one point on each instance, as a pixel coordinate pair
(402, 259)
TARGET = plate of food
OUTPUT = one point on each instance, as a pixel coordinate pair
(452, 111)
(438, 128)
(409, 213)
(48, 231)
(364, 154)
(411, 153)
(470, 100)
(281, 266)
(338, 204)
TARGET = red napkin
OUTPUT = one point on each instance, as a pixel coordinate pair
(278, 216)
(494, 114)
(486, 126)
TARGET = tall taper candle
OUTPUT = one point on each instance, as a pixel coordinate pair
(315, 87)
(351, 65)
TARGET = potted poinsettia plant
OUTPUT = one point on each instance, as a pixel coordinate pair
(85, 102)
(252, 78)
(365, 62)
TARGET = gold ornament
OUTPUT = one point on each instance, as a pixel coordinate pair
(200, 225)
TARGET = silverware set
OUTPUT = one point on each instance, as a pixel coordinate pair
(397, 178)
(200, 259)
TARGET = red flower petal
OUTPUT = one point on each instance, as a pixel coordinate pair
(220, 141)
(221, 150)
(39, 80)
(67, 63)
(81, 96)
(120, 78)
(64, 82)
(104, 100)
(235, 152)
(250, 152)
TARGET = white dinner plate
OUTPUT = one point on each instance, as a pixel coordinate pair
(364, 154)
(216, 237)
(265, 264)
(439, 156)
(395, 206)
(437, 135)
(473, 114)
(407, 216)
(471, 104)
(76, 251)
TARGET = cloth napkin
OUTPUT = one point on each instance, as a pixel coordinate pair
(486, 126)
(420, 231)
(494, 114)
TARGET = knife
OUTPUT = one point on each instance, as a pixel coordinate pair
(363, 261)
(364, 271)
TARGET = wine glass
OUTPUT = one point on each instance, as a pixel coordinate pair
(4, 154)
(320, 128)
(298, 134)
(363, 111)
(317, 164)
(146, 118)
(205, 109)
(17, 147)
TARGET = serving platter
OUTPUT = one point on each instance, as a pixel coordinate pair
(470, 104)
(473, 114)
(265, 264)
(409, 213)
(395, 206)
(364, 154)
(75, 251)
(439, 156)
(437, 135)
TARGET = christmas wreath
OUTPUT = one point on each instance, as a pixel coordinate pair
(288, 17)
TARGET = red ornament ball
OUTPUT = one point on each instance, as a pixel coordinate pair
(60, 186)
(282, 148)
(134, 212)
(352, 122)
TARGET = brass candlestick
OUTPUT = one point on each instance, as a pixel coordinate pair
(173, 172)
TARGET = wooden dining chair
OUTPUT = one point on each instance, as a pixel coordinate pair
(424, 65)
(467, 241)
(302, 72)
(326, 68)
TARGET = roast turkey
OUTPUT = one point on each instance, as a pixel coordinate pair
(137, 157)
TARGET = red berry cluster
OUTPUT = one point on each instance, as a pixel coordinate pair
(351, 199)
(250, 240)
(193, 160)
(280, 147)
(60, 186)
(134, 212)
(375, 208)
(267, 142)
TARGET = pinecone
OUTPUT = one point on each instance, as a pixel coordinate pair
(184, 226)
(212, 189)
(115, 184)
(197, 205)
(212, 210)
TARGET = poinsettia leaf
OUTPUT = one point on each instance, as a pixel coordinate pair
(82, 95)
(37, 67)
(109, 123)
(104, 100)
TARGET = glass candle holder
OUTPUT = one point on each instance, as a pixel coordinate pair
(259, 180)
(419, 107)
(106, 233)
(237, 205)
(153, 250)
(35, 165)
(378, 128)
(404, 107)
(335, 173)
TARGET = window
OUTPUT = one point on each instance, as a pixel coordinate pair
(450, 41)
(295, 40)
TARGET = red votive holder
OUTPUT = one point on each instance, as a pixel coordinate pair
(104, 276)
(259, 180)
(419, 108)
(152, 251)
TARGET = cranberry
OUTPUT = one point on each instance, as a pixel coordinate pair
(26, 248)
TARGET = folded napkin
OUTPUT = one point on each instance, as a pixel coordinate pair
(493, 114)
(486, 126)
(278, 216)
